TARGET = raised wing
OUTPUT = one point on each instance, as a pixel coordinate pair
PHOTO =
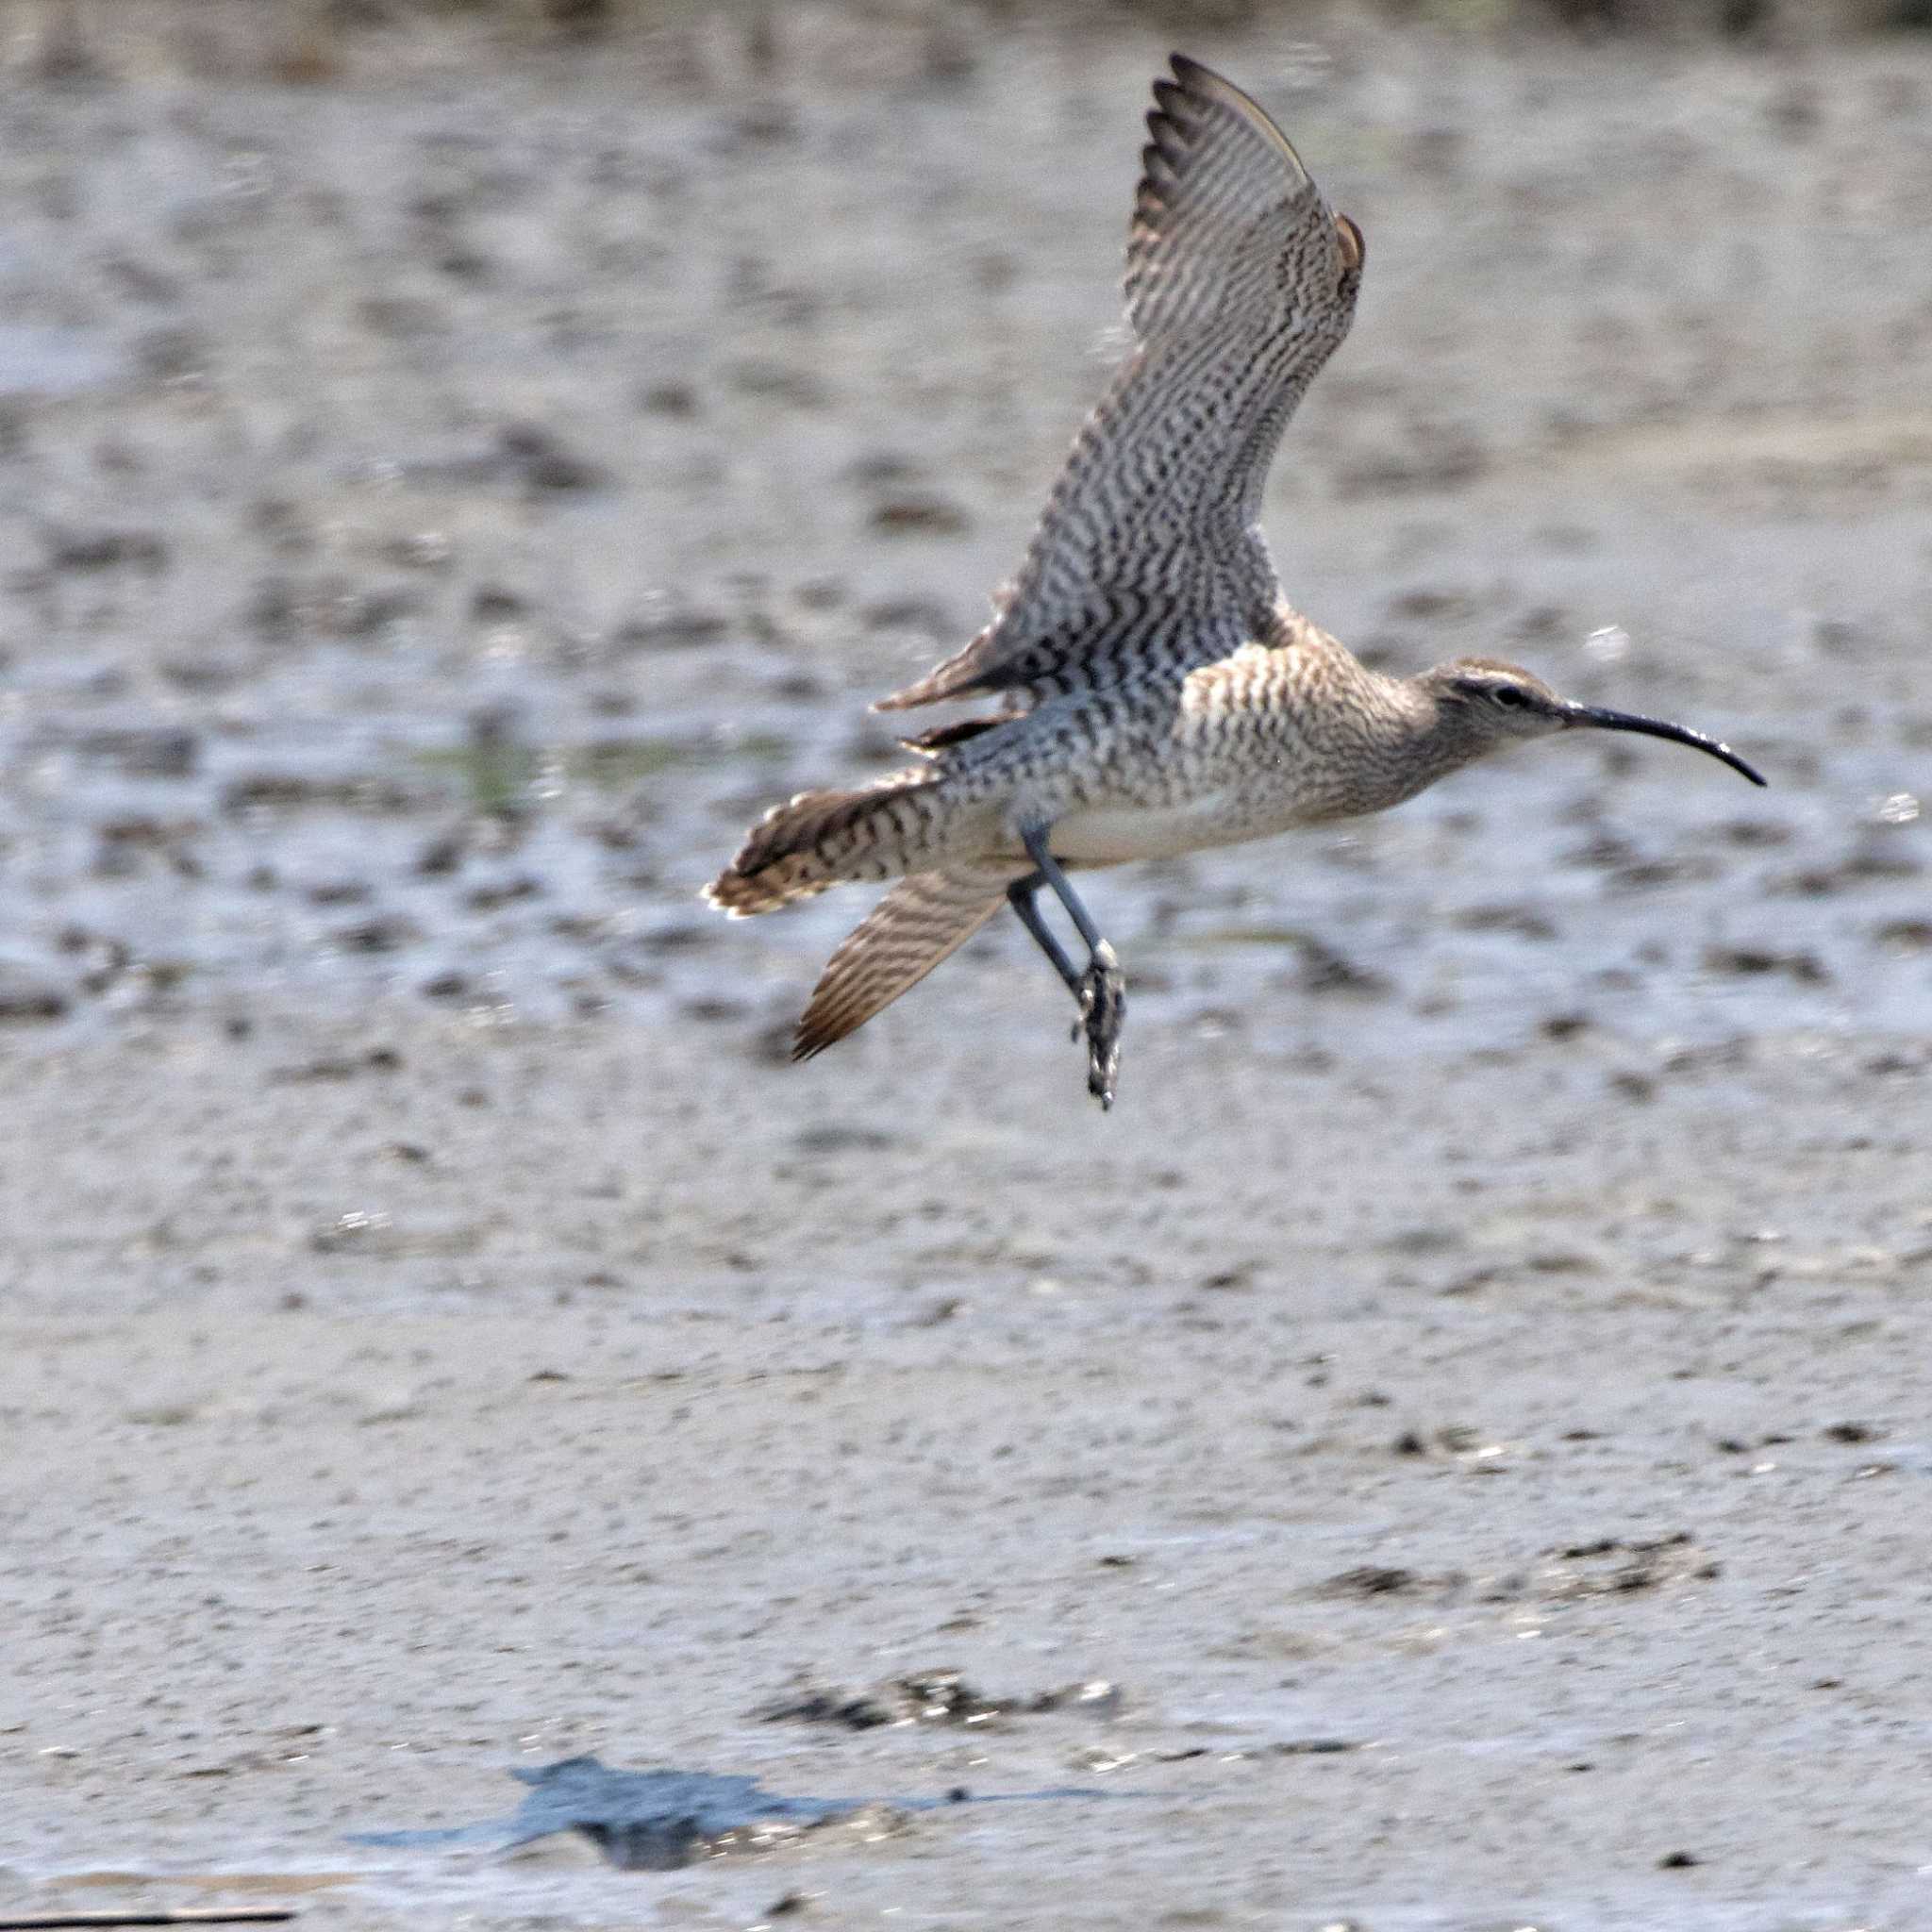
(1241, 283)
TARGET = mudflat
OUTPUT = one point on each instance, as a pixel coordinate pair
(1449, 1451)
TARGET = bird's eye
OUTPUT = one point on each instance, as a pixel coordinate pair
(1512, 697)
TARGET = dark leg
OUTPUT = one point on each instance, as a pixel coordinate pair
(1020, 896)
(1102, 989)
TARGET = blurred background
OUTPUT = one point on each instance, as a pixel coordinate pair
(462, 461)
(459, 464)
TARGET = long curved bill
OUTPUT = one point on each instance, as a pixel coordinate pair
(1657, 727)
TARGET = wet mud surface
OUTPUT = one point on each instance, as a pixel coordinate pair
(647, 1820)
(661, 1820)
(1471, 1392)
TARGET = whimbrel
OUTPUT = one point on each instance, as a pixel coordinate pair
(1159, 694)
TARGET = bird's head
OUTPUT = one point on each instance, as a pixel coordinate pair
(1481, 704)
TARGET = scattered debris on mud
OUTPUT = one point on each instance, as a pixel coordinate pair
(941, 1697)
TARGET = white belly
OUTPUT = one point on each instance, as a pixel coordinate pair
(1112, 835)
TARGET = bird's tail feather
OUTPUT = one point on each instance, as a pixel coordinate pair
(922, 921)
(820, 839)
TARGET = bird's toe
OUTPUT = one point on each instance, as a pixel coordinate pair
(1103, 1013)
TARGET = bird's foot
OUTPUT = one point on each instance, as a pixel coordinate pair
(1103, 993)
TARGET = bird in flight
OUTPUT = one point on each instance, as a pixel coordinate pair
(1156, 692)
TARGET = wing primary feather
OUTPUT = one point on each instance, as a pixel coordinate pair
(1241, 283)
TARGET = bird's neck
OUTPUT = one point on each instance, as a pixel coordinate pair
(1389, 734)
(1433, 737)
